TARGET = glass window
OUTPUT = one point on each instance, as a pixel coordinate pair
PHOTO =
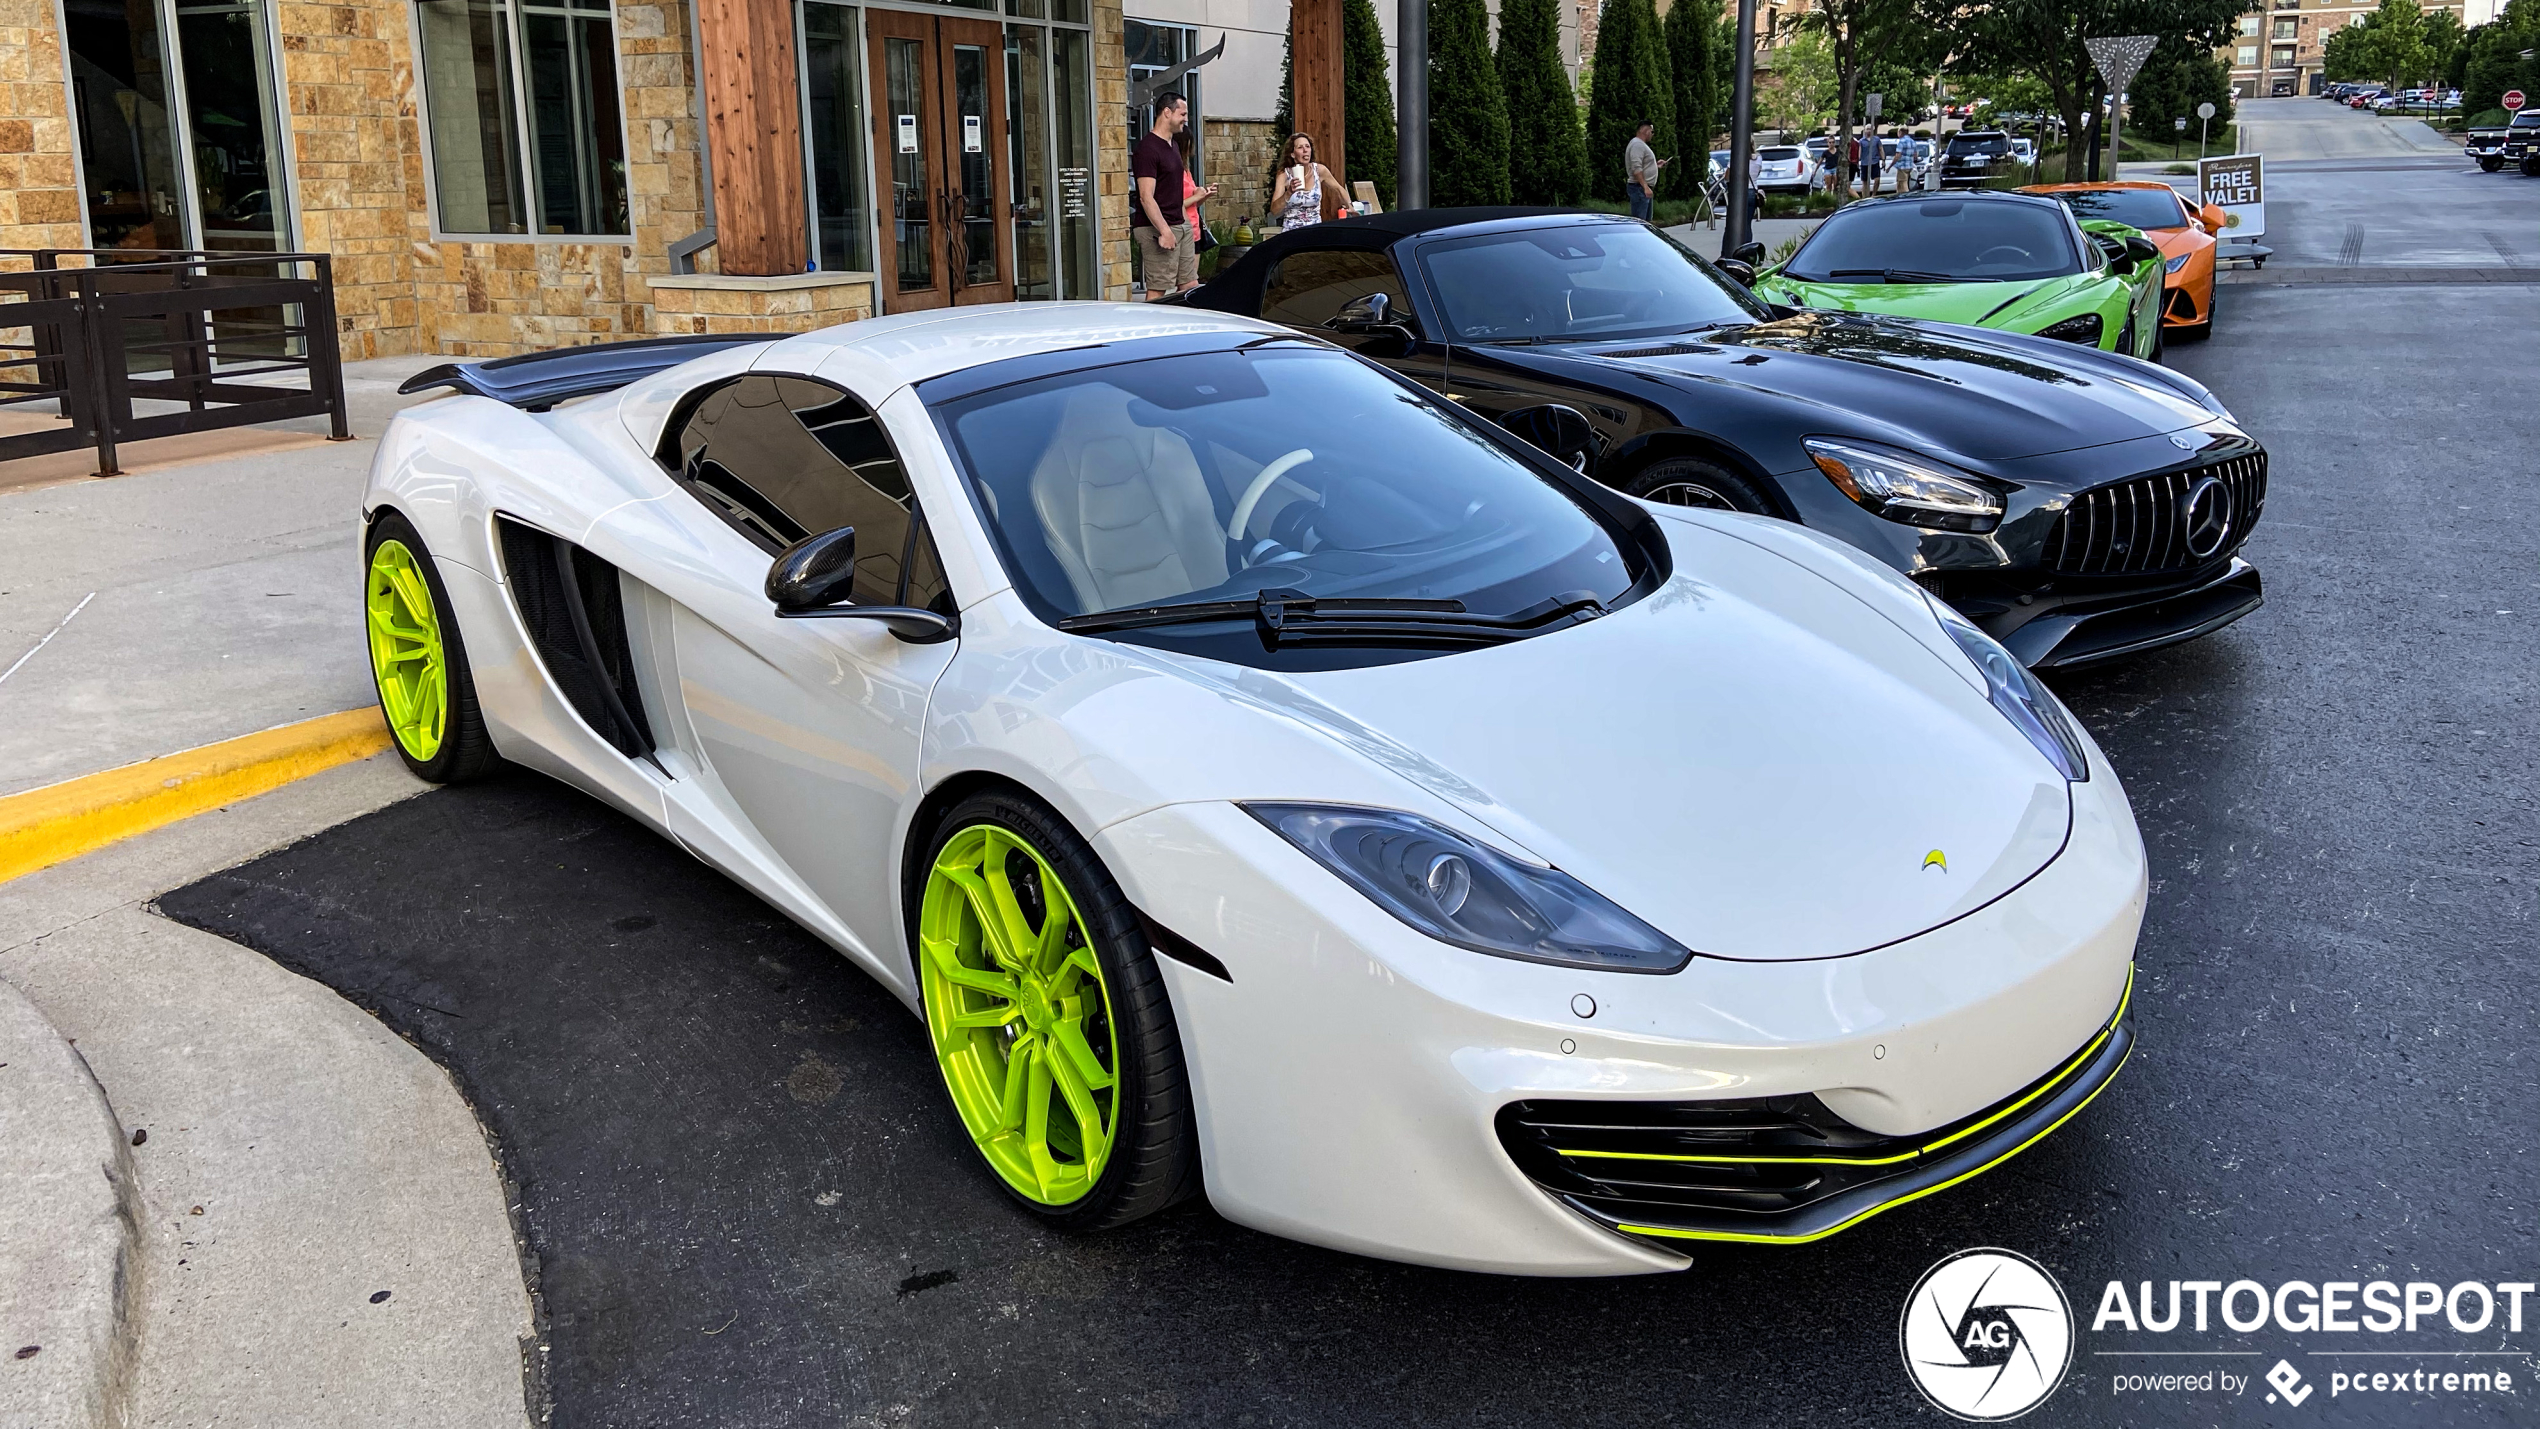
(1963, 239)
(781, 458)
(229, 84)
(834, 118)
(2248, 24)
(522, 101)
(1190, 477)
(1307, 289)
(127, 149)
(2284, 29)
(1028, 137)
(2248, 56)
(1578, 281)
(1074, 92)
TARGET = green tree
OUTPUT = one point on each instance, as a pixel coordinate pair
(2442, 38)
(1367, 128)
(2180, 75)
(1804, 88)
(1854, 31)
(1693, 32)
(1547, 152)
(1632, 87)
(1468, 117)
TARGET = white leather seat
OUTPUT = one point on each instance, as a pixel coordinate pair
(1125, 508)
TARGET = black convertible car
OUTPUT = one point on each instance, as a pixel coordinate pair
(2078, 505)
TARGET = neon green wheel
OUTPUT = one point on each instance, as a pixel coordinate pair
(1020, 1014)
(406, 655)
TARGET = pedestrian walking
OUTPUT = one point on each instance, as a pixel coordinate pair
(1298, 200)
(1640, 171)
(1168, 259)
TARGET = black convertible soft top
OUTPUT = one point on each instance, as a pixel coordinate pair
(1237, 288)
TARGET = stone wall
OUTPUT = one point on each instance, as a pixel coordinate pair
(711, 302)
(1239, 156)
(39, 180)
(1111, 148)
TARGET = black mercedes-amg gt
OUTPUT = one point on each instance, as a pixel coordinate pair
(2077, 504)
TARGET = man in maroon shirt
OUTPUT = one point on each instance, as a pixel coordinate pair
(1168, 250)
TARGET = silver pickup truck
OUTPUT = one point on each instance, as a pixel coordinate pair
(2517, 143)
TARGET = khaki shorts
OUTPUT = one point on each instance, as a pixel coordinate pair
(1168, 272)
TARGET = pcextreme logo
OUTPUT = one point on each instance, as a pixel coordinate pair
(1986, 1335)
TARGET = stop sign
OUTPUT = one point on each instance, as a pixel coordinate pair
(2513, 99)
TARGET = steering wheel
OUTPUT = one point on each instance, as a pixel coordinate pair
(1261, 486)
(2015, 254)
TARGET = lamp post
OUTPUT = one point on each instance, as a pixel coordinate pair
(1411, 108)
(1741, 130)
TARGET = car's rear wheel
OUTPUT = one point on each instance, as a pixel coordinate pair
(1049, 1020)
(2491, 165)
(417, 661)
(1691, 481)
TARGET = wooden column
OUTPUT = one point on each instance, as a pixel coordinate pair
(1314, 37)
(754, 134)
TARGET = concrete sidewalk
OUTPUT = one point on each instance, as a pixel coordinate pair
(314, 1231)
(187, 605)
(1771, 232)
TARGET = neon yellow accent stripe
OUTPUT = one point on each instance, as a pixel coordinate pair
(43, 827)
(2043, 1089)
(1676, 1234)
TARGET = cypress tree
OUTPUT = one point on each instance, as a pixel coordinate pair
(1366, 102)
(1632, 85)
(1693, 32)
(1468, 118)
(1547, 155)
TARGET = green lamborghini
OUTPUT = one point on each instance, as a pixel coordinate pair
(2018, 262)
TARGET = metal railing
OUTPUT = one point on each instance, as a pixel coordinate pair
(188, 328)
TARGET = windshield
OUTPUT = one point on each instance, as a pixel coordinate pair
(2135, 208)
(1979, 144)
(1965, 240)
(1578, 281)
(1285, 466)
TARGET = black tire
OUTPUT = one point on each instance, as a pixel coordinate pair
(2199, 332)
(466, 751)
(2160, 340)
(1155, 1153)
(2490, 165)
(1691, 481)
(2531, 167)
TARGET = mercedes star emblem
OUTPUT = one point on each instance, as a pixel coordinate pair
(2206, 514)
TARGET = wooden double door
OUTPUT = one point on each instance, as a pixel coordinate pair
(939, 142)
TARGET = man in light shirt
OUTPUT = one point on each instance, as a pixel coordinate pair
(1640, 171)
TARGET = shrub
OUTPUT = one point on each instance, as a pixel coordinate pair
(1547, 153)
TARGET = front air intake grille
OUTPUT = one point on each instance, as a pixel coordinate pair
(570, 602)
(2140, 526)
(1776, 1168)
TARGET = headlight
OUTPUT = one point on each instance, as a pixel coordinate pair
(1461, 892)
(2174, 264)
(2018, 695)
(2084, 330)
(1903, 487)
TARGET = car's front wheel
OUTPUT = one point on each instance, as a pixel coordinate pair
(1049, 1020)
(1691, 481)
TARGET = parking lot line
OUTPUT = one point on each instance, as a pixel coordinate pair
(42, 827)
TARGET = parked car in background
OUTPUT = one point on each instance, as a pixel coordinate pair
(2522, 143)
(2184, 235)
(1787, 169)
(1974, 156)
(2024, 151)
(2019, 262)
(1625, 356)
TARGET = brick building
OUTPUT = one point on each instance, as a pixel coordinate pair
(2276, 49)
(503, 175)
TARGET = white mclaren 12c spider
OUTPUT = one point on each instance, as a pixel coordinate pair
(1268, 781)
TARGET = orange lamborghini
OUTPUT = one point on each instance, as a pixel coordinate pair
(2184, 233)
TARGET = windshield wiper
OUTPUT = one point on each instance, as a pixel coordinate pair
(1896, 275)
(1291, 617)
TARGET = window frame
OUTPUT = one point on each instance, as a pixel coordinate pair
(524, 132)
(920, 523)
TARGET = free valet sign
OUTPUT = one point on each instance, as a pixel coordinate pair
(2236, 183)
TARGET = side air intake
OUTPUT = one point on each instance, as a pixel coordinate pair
(569, 600)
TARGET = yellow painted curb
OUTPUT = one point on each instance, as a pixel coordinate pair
(42, 827)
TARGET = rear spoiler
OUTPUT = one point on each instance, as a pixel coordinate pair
(536, 381)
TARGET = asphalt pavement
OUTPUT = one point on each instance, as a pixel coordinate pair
(745, 1200)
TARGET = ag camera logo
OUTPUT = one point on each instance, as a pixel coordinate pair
(1986, 1335)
